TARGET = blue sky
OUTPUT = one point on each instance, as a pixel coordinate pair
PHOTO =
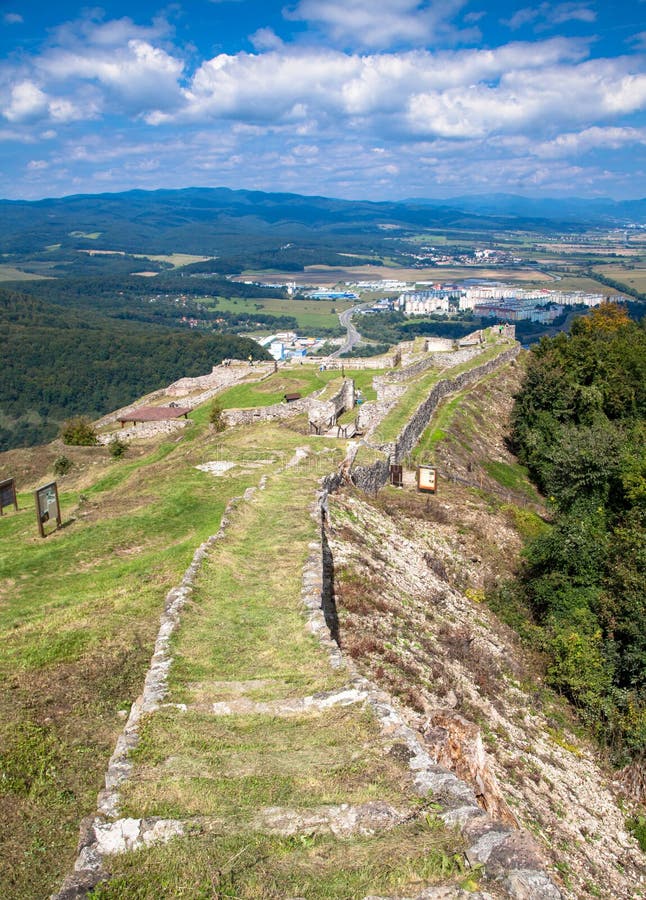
(370, 99)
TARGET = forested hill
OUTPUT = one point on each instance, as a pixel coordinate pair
(218, 220)
(58, 362)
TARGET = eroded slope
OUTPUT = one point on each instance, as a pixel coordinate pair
(411, 575)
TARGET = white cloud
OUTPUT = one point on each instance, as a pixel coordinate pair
(92, 30)
(288, 86)
(576, 143)
(12, 18)
(530, 100)
(27, 102)
(266, 39)
(547, 15)
(523, 111)
(378, 24)
(138, 75)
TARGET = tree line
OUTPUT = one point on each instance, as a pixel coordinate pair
(59, 362)
(578, 425)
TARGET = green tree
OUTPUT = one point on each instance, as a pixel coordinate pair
(78, 431)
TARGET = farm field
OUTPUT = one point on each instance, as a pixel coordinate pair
(10, 273)
(311, 315)
(328, 276)
(177, 260)
(633, 277)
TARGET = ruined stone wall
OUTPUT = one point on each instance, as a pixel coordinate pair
(453, 358)
(420, 419)
(220, 377)
(144, 430)
(266, 413)
(435, 344)
(324, 413)
(371, 478)
(376, 475)
(361, 362)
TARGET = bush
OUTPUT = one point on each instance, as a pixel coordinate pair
(63, 465)
(117, 448)
(79, 432)
(637, 826)
(216, 417)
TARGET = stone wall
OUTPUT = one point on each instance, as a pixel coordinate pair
(219, 377)
(267, 413)
(371, 478)
(412, 432)
(435, 344)
(375, 476)
(144, 430)
(324, 413)
(362, 362)
(453, 358)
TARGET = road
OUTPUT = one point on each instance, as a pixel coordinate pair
(353, 337)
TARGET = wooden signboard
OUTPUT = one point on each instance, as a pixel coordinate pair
(47, 506)
(427, 479)
(8, 494)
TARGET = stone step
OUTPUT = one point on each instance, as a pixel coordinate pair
(289, 707)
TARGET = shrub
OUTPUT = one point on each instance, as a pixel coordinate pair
(216, 417)
(63, 465)
(78, 432)
(117, 448)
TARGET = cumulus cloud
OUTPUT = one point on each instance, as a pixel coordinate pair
(459, 95)
(138, 75)
(529, 100)
(378, 24)
(26, 102)
(522, 111)
(593, 138)
(295, 85)
(92, 30)
(92, 66)
(12, 18)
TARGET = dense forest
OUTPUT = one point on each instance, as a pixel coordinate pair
(169, 299)
(57, 362)
(579, 427)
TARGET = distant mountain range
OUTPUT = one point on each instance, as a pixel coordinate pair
(212, 220)
(597, 211)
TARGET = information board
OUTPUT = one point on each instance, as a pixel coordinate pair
(8, 494)
(47, 506)
(427, 479)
